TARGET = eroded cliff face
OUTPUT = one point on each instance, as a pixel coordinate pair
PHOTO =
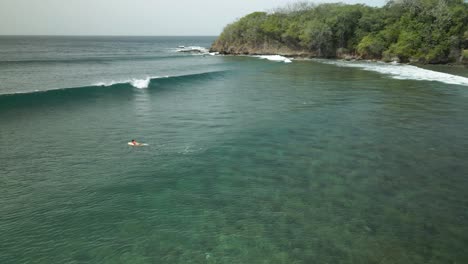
(262, 49)
(245, 50)
(270, 49)
(279, 49)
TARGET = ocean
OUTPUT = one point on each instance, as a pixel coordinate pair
(250, 159)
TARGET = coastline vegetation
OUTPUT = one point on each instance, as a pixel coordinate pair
(424, 31)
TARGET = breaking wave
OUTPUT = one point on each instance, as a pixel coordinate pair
(141, 84)
(275, 58)
(403, 71)
(192, 50)
(135, 83)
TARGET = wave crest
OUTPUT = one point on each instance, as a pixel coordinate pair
(193, 50)
(137, 83)
(140, 84)
(275, 58)
(144, 83)
(403, 71)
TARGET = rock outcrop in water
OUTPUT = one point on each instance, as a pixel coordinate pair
(424, 31)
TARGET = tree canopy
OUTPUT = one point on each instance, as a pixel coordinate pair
(428, 31)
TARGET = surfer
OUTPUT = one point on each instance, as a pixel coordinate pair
(136, 144)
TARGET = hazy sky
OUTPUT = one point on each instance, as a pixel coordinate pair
(131, 17)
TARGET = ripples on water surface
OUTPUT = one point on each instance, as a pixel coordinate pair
(249, 161)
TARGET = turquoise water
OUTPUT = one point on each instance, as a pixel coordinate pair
(249, 161)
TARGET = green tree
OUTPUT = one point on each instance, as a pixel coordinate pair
(318, 36)
(371, 46)
(432, 31)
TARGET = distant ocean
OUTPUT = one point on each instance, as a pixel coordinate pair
(250, 159)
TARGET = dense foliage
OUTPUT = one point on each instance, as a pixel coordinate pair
(431, 31)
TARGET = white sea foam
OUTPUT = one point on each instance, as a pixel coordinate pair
(193, 49)
(137, 83)
(105, 83)
(140, 83)
(403, 71)
(275, 58)
(144, 83)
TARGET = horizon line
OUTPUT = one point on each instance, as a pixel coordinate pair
(91, 35)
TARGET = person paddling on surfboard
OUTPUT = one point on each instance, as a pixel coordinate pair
(136, 144)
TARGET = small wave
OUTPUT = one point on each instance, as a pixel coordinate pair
(403, 71)
(275, 58)
(192, 50)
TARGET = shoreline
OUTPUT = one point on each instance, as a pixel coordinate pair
(463, 63)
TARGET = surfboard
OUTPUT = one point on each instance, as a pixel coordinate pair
(137, 145)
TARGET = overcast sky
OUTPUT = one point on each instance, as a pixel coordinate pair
(131, 17)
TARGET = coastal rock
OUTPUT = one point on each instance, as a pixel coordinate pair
(261, 49)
